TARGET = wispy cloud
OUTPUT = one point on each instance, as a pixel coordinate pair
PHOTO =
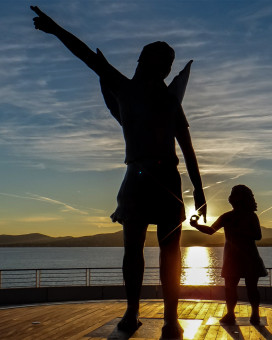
(99, 221)
(257, 14)
(64, 207)
(53, 115)
(38, 219)
(66, 126)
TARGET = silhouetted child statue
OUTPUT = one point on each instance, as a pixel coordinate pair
(241, 257)
(151, 117)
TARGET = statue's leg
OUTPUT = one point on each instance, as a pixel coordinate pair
(170, 270)
(133, 271)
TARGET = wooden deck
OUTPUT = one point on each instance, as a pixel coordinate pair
(97, 320)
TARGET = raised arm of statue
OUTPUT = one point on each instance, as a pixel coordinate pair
(44, 23)
(110, 78)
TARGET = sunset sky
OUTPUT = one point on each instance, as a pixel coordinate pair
(61, 152)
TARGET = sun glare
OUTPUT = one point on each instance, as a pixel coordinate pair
(190, 211)
(193, 273)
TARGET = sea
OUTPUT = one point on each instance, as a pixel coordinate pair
(201, 265)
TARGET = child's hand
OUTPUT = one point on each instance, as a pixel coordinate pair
(193, 220)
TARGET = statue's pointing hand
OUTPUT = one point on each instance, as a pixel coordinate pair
(43, 22)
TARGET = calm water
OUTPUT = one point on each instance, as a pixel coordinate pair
(198, 259)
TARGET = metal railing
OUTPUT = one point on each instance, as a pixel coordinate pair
(58, 277)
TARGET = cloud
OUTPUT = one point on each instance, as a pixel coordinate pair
(64, 207)
(257, 14)
(38, 219)
(265, 211)
(99, 221)
(55, 115)
(112, 8)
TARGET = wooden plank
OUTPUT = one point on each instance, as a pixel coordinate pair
(222, 334)
(73, 321)
(203, 311)
(210, 311)
(220, 310)
(147, 310)
(212, 332)
(159, 312)
(86, 323)
(187, 310)
(201, 333)
(21, 318)
(195, 310)
(181, 308)
(59, 319)
(144, 307)
(242, 310)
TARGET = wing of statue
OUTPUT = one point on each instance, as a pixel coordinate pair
(178, 85)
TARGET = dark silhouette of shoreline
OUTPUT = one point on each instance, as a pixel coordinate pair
(189, 238)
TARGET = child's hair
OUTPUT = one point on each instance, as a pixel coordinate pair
(242, 198)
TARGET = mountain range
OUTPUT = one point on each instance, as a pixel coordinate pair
(189, 238)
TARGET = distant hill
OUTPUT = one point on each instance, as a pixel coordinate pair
(189, 238)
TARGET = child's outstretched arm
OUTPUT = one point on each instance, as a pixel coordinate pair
(44, 23)
(203, 228)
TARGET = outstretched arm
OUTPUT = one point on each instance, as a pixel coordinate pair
(203, 228)
(185, 142)
(44, 23)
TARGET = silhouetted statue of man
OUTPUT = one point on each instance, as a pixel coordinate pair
(151, 117)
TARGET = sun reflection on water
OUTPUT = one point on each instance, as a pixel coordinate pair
(195, 263)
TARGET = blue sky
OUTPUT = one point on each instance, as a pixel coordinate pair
(62, 153)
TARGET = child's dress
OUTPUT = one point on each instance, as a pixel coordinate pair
(241, 257)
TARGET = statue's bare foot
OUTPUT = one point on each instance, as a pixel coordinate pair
(130, 322)
(172, 330)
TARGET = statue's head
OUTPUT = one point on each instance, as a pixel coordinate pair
(156, 59)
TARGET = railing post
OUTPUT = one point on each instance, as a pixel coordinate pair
(0, 279)
(87, 276)
(38, 278)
